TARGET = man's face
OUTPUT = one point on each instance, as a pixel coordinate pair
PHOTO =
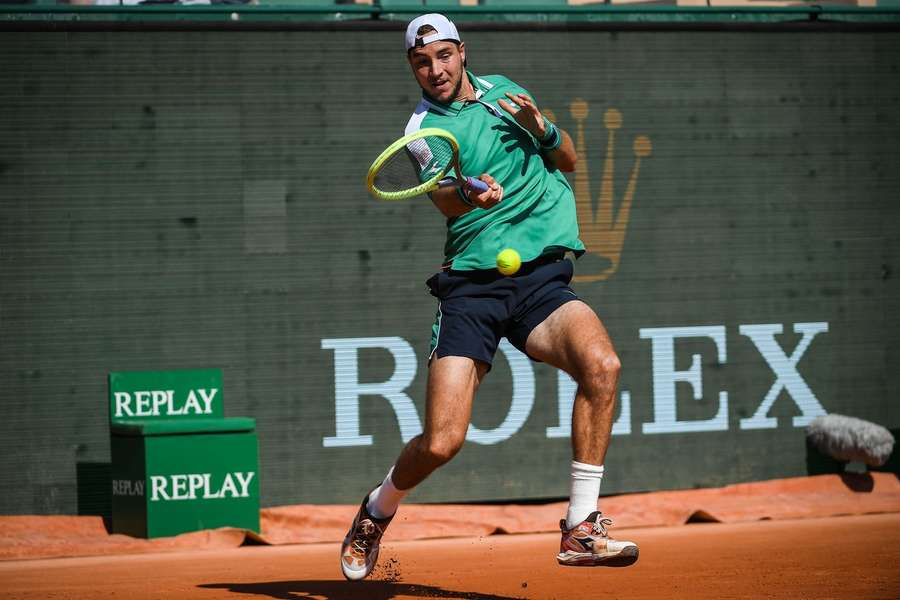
(438, 68)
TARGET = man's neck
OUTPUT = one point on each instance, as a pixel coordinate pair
(466, 89)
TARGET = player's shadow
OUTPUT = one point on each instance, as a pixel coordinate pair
(346, 590)
(513, 136)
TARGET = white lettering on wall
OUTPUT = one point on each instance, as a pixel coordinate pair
(348, 389)
(665, 377)
(786, 376)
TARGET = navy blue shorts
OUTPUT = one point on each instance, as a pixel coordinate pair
(478, 308)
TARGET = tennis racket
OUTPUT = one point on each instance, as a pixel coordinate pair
(419, 163)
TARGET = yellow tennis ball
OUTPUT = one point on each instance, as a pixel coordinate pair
(508, 261)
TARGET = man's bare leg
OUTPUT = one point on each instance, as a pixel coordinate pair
(452, 381)
(572, 338)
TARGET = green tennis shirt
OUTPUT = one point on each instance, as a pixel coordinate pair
(537, 214)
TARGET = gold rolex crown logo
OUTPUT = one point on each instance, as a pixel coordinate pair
(602, 231)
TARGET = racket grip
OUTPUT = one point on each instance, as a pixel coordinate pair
(477, 185)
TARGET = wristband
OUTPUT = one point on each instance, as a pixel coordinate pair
(463, 197)
(552, 137)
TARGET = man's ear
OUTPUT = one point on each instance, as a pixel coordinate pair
(462, 52)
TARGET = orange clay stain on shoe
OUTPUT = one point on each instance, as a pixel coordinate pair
(359, 552)
(588, 544)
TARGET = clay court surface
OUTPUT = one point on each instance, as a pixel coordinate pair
(835, 557)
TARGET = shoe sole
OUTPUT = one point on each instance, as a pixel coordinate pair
(625, 558)
(352, 575)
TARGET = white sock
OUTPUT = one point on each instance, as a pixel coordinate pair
(584, 492)
(384, 500)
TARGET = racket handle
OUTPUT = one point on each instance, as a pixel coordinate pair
(477, 185)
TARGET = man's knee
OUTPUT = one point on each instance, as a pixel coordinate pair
(610, 364)
(443, 446)
(600, 369)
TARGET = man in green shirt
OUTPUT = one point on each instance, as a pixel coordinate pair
(528, 206)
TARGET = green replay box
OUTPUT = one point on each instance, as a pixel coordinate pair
(178, 464)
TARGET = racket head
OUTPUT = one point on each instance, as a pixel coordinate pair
(394, 175)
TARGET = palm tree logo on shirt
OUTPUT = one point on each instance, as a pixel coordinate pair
(603, 229)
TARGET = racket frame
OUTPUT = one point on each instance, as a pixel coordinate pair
(438, 181)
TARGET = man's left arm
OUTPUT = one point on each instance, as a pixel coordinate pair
(556, 145)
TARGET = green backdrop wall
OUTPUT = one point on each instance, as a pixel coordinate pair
(197, 199)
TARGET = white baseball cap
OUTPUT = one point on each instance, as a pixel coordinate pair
(444, 27)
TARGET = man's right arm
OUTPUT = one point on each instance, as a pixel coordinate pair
(450, 200)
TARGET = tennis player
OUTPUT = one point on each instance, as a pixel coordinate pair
(528, 206)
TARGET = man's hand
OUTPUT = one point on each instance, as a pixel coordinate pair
(487, 199)
(525, 113)
(447, 199)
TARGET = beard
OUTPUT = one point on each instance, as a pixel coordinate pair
(457, 88)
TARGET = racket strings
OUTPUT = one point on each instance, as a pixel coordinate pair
(419, 161)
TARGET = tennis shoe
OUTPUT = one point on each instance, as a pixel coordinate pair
(588, 545)
(359, 552)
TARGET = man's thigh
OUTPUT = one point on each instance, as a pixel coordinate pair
(452, 382)
(570, 337)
